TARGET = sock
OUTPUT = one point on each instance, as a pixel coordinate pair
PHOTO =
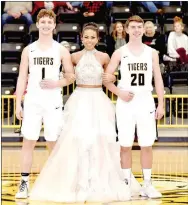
(147, 175)
(127, 174)
(25, 176)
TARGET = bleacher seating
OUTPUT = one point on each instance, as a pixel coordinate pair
(74, 47)
(185, 19)
(121, 3)
(121, 13)
(70, 17)
(11, 52)
(9, 73)
(101, 47)
(170, 12)
(16, 21)
(14, 33)
(33, 33)
(103, 31)
(68, 32)
(168, 27)
(146, 15)
(158, 28)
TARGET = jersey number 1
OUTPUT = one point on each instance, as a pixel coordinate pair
(43, 73)
(140, 81)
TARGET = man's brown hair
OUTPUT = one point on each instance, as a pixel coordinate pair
(44, 12)
(135, 18)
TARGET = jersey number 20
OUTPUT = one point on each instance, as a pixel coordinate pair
(137, 79)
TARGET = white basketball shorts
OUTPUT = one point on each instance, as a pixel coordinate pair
(51, 114)
(139, 112)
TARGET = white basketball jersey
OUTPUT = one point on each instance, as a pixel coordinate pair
(50, 61)
(136, 71)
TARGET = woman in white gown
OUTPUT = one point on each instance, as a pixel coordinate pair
(85, 163)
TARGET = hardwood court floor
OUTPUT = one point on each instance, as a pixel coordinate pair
(170, 176)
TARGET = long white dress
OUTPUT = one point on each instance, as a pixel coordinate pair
(85, 163)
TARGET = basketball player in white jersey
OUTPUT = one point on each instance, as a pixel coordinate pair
(43, 101)
(135, 104)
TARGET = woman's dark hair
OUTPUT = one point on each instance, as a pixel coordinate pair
(92, 26)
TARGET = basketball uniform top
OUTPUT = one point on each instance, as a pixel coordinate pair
(50, 60)
(136, 71)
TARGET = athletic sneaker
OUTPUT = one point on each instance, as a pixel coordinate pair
(149, 191)
(23, 191)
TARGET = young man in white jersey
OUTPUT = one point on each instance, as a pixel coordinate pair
(135, 105)
(43, 101)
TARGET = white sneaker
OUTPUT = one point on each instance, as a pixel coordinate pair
(23, 191)
(148, 190)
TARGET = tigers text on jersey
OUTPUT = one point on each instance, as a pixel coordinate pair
(136, 71)
(49, 61)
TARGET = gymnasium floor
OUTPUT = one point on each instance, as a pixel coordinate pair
(170, 171)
